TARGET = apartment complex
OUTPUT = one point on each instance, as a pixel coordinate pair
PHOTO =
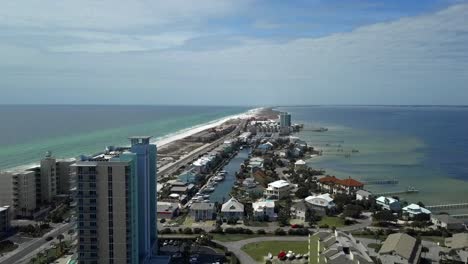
(31, 189)
(116, 205)
(285, 119)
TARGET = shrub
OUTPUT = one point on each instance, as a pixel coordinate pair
(280, 232)
(188, 231)
(261, 232)
(217, 230)
(162, 221)
(197, 230)
(166, 231)
(323, 226)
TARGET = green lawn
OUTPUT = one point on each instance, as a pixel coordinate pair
(332, 221)
(440, 240)
(314, 249)
(259, 250)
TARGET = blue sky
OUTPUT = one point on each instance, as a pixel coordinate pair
(242, 52)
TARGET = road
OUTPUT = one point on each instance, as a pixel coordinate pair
(172, 167)
(30, 247)
(236, 246)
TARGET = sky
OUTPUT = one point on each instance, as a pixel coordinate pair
(239, 52)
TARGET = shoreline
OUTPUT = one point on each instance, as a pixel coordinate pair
(163, 141)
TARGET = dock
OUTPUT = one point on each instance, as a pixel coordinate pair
(381, 181)
(410, 190)
(440, 207)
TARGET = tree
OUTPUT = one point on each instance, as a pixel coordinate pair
(385, 216)
(352, 210)
(60, 238)
(302, 192)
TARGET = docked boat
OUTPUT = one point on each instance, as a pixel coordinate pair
(218, 178)
(206, 196)
(223, 172)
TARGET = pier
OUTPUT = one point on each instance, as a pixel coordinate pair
(447, 206)
(407, 191)
(460, 216)
(381, 181)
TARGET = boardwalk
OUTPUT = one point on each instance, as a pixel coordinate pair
(381, 181)
(447, 206)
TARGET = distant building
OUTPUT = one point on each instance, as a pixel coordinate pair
(363, 195)
(334, 185)
(277, 190)
(388, 203)
(414, 209)
(5, 220)
(285, 119)
(167, 210)
(232, 209)
(202, 211)
(400, 248)
(340, 248)
(448, 222)
(264, 210)
(256, 162)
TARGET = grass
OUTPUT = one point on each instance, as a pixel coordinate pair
(436, 239)
(375, 246)
(261, 249)
(332, 221)
(314, 251)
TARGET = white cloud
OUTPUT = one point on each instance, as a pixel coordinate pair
(420, 59)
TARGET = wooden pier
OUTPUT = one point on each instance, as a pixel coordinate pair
(440, 207)
(381, 181)
(460, 216)
(407, 191)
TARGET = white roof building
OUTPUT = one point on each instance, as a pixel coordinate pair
(278, 184)
(232, 205)
(414, 209)
(322, 200)
(264, 208)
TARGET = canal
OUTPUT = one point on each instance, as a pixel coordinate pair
(223, 188)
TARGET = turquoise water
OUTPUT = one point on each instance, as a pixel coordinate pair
(27, 132)
(423, 147)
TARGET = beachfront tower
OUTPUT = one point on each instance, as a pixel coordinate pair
(146, 163)
(116, 205)
(285, 119)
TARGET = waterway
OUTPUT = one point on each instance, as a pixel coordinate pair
(221, 194)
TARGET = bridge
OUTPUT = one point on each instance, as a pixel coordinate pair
(440, 207)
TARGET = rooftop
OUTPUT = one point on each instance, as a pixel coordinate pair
(278, 184)
(401, 244)
(202, 206)
(349, 182)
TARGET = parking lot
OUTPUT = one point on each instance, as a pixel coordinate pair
(198, 254)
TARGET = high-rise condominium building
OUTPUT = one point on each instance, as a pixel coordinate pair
(285, 119)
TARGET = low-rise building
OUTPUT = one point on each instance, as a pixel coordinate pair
(400, 248)
(448, 222)
(299, 210)
(340, 248)
(167, 210)
(334, 185)
(232, 209)
(458, 247)
(363, 195)
(5, 220)
(264, 210)
(202, 211)
(299, 165)
(277, 190)
(388, 203)
(256, 163)
(414, 209)
(320, 203)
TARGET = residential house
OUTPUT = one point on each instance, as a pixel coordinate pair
(277, 190)
(249, 183)
(264, 210)
(320, 203)
(167, 210)
(336, 247)
(388, 203)
(232, 209)
(299, 165)
(299, 210)
(448, 222)
(363, 195)
(414, 209)
(400, 248)
(265, 147)
(202, 211)
(256, 163)
(334, 185)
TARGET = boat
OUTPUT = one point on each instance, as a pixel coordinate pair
(209, 189)
(206, 196)
(223, 172)
(218, 178)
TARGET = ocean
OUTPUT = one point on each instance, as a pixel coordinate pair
(422, 147)
(27, 132)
